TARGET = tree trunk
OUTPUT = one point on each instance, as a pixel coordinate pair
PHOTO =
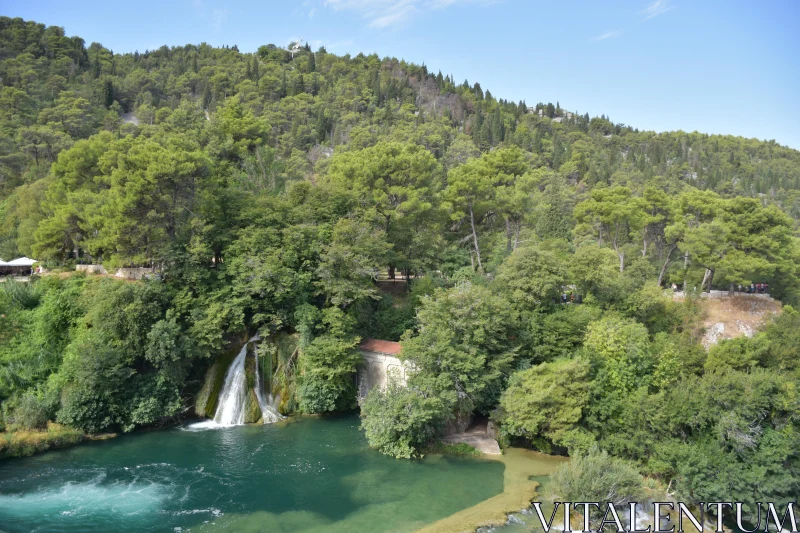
(391, 272)
(621, 262)
(516, 235)
(508, 235)
(705, 279)
(731, 289)
(710, 279)
(475, 239)
(665, 266)
(685, 270)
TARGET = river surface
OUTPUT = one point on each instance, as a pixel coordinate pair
(305, 475)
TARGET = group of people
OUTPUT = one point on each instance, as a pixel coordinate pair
(754, 288)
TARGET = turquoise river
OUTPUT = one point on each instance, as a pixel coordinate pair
(303, 475)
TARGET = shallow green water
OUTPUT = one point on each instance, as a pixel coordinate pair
(306, 475)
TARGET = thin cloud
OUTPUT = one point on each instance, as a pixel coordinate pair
(381, 14)
(219, 17)
(608, 35)
(659, 7)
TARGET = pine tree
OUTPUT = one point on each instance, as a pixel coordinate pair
(312, 63)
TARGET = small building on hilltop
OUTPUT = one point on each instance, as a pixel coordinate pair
(380, 363)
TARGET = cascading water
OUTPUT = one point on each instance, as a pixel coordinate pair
(232, 406)
(269, 413)
(232, 400)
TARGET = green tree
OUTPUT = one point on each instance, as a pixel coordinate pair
(611, 214)
(547, 401)
(399, 184)
(471, 192)
(462, 349)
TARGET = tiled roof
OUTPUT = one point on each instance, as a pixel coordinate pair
(379, 346)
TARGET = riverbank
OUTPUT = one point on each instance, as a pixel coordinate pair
(519, 488)
(24, 443)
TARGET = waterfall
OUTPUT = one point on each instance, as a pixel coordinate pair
(267, 404)
(232, 406)
(233, 398)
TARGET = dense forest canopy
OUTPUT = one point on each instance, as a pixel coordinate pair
(270, 190)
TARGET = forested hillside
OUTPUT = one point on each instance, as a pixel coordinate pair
(271, 189)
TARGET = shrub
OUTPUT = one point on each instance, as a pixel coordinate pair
(401, 421)
(596, 477)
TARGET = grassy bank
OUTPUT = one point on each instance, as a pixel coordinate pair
(23, 443)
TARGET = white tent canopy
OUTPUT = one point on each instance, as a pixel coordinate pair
(21, 262)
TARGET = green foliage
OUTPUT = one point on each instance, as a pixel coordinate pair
(326, 384)
(620, 349)
(463, 349)
(595, 476)
(548, 401)
(95, 354)
(22, 295)
(401, 421)
(560, 333)
(532, 278)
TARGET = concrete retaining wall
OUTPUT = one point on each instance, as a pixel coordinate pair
(91, 269)
(136, 273)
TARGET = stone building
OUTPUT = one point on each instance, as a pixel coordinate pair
(380, 363)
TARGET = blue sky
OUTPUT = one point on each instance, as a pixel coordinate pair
(712, 66)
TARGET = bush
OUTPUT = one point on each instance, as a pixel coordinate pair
(546, 401)
(33, 410)
(23, 295)
(401, 421)
(596, 477)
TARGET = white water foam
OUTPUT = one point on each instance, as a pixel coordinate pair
(76, 499)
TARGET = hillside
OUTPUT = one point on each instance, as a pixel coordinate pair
(57, 90)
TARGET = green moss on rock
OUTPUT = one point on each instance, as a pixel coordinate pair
(208, 397)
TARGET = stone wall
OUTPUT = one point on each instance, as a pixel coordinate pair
(91, 269)
(136, 273)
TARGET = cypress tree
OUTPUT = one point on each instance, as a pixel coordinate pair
(254, 70)
(376, 88)
(282, 89)
(108, 93)
(206, 95)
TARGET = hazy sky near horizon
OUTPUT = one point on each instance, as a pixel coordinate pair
(730, 67)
